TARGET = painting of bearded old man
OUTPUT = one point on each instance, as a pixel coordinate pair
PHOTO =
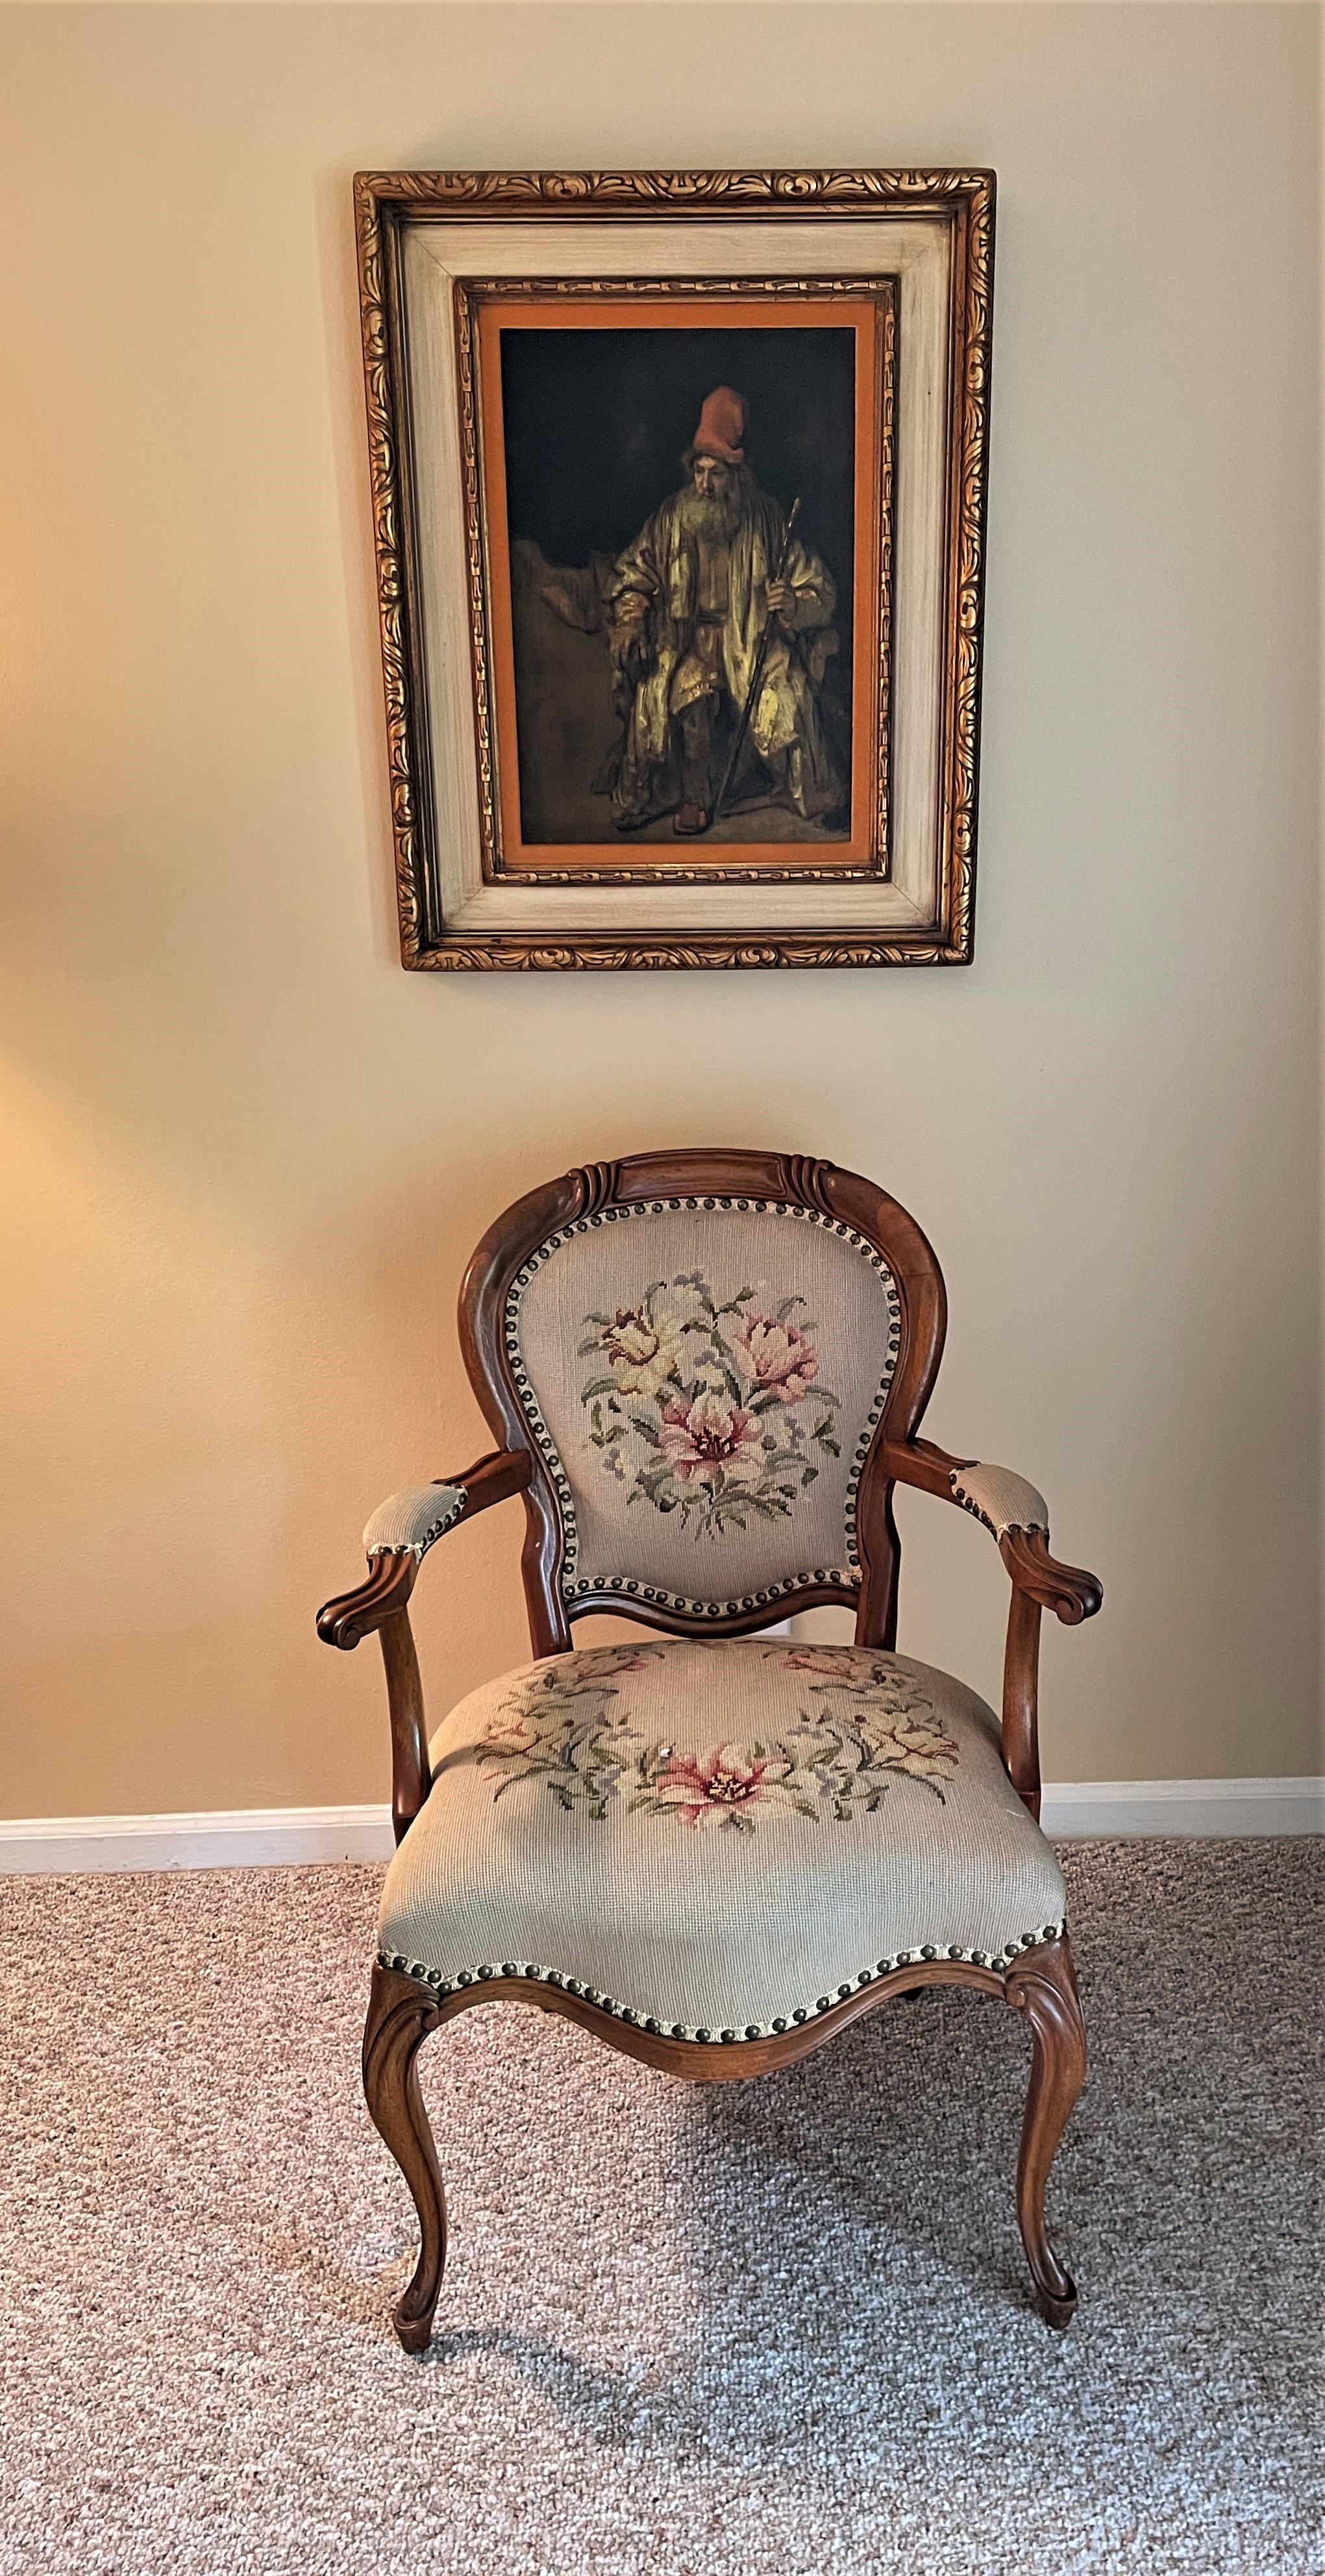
(719, 624)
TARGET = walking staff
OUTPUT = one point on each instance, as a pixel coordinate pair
(756, 676)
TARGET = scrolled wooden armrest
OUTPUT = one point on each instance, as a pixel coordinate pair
(352, 1615)
(402, 1530)
(1068, 1590)
(1013, 1512)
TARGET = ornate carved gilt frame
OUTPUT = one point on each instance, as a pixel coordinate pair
(435, 929)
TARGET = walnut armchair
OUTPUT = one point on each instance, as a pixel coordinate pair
(706, 1372)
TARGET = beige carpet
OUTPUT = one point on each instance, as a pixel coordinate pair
(778, 2328)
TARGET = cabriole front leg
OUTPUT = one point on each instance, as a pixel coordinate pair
(1041, 1984)
(400, 2015)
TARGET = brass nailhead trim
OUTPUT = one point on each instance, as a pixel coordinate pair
(999, 1961)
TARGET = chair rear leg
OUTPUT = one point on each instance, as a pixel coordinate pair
(401, 2012)
(1041, 1984)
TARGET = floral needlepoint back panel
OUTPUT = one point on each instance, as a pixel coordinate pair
(703, 1378)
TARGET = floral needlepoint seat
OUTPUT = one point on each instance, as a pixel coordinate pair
(717, 1840)
(714, 1846)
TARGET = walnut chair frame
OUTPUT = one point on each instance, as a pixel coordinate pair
(1039, 1983)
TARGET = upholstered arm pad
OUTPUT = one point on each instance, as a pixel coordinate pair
(413, 1518)
(999, 1499)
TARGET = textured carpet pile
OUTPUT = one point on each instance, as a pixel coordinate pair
(780, 2327)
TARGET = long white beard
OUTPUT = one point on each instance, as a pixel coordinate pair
(705, 514)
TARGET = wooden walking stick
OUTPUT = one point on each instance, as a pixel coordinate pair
(760, 658)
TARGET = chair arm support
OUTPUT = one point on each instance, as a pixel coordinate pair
(397, 1540)
(400, 1533)
(1018, 1518)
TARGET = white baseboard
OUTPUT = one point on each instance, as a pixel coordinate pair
(1071, 1808)
(247, 1838)
(258, 1837)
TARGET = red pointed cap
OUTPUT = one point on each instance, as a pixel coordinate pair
(722, 426)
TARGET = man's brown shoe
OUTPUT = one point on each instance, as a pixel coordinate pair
(689, 819)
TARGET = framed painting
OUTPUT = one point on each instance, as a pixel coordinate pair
(679, 489)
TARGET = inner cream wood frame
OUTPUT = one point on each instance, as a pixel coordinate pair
(421, 231)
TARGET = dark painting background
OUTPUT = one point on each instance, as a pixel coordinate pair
(596, 423)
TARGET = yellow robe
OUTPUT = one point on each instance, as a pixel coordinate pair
(654, 593)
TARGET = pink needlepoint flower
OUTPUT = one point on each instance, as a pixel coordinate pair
(708, 1788)
(777, 1358)
(709, 1440)
(828, 1661)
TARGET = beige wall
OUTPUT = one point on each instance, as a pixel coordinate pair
(247, 1155)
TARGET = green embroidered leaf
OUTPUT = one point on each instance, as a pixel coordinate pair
(646, 1429)
(773, 1507)
(598, 1386)
(784, 1307)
